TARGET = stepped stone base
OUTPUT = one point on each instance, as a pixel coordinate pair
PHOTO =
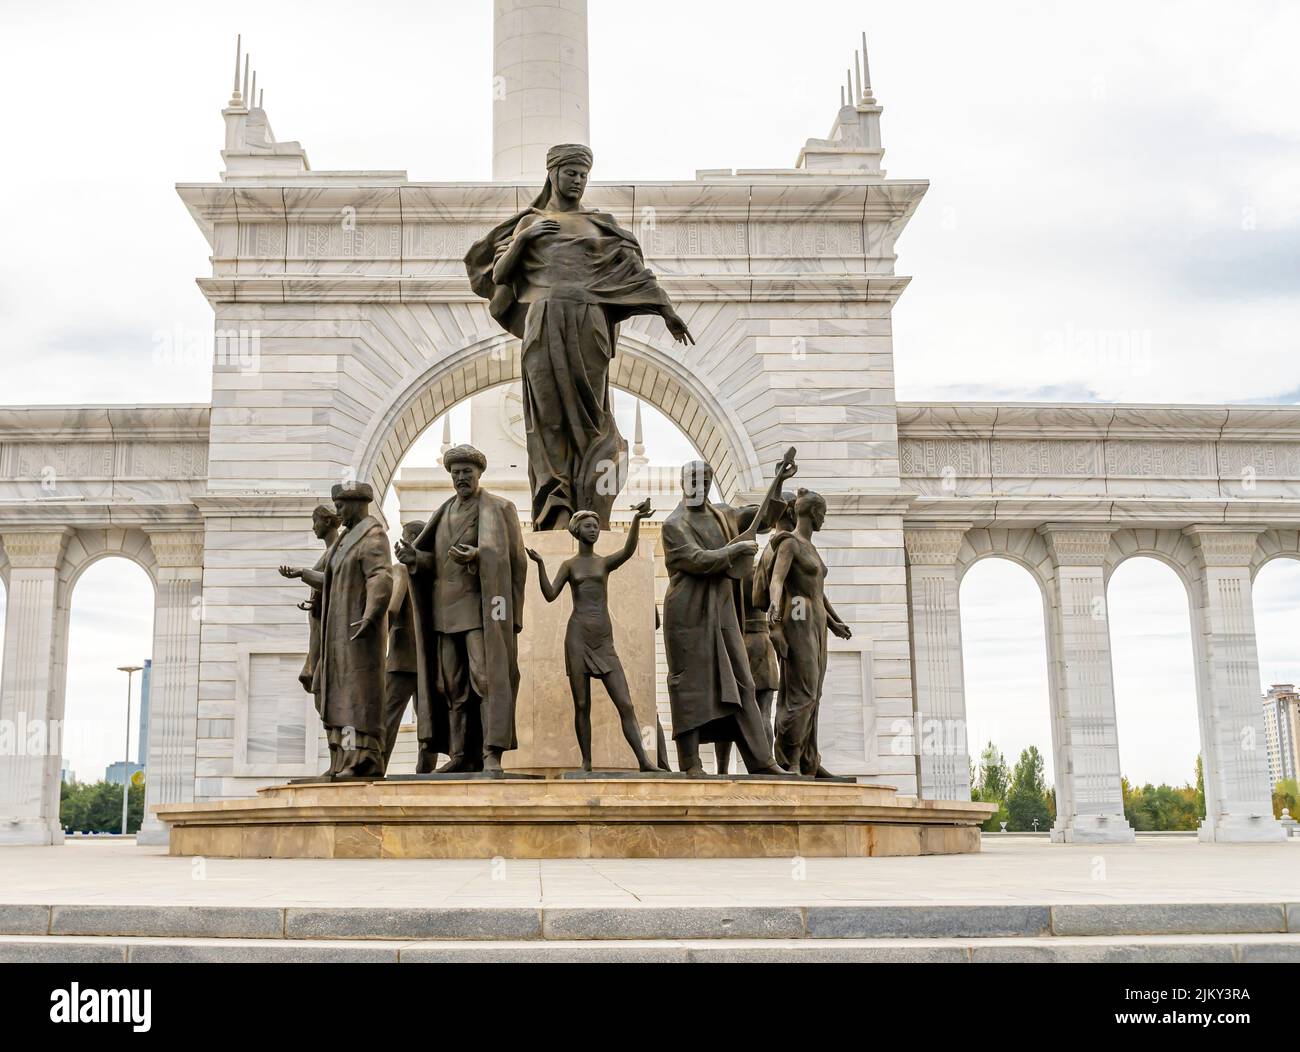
(626, 817)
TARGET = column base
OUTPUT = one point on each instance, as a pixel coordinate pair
(1092, 829)
(29, 831)
(153, 834)
(1241, 829)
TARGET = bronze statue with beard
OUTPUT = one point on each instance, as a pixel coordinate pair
(561, 277)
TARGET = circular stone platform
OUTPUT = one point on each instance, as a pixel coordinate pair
(648, 816)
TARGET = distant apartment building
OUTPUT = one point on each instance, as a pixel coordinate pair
(117, 773)
(1282, 731)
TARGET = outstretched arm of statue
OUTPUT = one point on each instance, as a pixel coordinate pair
(676, 327)
(313, 578)
(550, 591)
(776, 588)
(640, 511)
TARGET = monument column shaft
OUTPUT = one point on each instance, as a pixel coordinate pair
(937, 663)
(1090, 800)
(539, 84)
(31, 689)
(174, 684)
(1234, 756)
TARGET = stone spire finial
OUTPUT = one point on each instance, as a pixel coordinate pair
(446, 433)
(854, 142)
(236, 98)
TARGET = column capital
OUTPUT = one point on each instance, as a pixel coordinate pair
(933, 545)
(1225, 545)
(1074, 545)
(36, 549)
(177, 549)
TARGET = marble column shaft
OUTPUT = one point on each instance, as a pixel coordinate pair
(1238, 797)
(174, 679)
(1089, 799)
(31, 689)
(940, 696)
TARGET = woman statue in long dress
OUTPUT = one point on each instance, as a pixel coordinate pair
(561, 277)
(589, 640)
(791, 582)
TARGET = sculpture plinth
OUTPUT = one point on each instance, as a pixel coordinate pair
(649, 816)
(544, 711)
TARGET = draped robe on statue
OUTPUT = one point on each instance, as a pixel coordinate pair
(564, 302)
(710, 686)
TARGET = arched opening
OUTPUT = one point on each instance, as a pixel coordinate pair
(1155, 695)
(110, 625)
(1008, 701)
(1277, 627)
(492, 423)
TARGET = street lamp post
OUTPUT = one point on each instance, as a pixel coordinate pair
(130, 671)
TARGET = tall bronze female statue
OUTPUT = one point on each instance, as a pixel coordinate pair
(791, 583)
(561, 277)
(589, 640)
(325, 525)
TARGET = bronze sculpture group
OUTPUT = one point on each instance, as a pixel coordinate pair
(746, 643)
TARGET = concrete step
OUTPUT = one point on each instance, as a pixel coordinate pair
(625, 923)
(1200, 949)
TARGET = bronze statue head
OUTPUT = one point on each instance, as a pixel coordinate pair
(324, 519)
(352, 501)
(585, 525)
(567, 168)
(697, 479)
(810, 505)
(466, 465)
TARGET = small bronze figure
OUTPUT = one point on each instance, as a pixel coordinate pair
(589, 640)
(357, 586)
(400, 680)
(325, 525)
(791, 582)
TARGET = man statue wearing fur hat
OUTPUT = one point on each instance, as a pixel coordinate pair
(349, 679)
(468, 569)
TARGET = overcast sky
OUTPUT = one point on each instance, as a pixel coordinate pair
(1115, 171)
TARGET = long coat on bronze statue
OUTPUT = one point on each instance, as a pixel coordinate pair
(710, 687)
(350, 672)
(502, 568)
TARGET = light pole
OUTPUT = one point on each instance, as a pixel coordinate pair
(130, 671)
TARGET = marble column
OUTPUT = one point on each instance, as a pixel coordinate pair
(1238, 796)
(174, 681)
(938, 684)
(31, 689)
(1089, 801)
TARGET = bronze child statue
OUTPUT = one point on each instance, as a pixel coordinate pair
(589, 640)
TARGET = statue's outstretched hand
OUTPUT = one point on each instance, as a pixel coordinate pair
(291, 572)
(840, 630)
(643, 510)
(677, 327)
(534, 556)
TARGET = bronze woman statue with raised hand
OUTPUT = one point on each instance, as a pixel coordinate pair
(791, 582)
(561, 277)
(589, 640)
(325, 525)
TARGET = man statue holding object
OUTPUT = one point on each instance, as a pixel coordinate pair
(710, 686)
(468, 571)
(356, 588)
(400, 680)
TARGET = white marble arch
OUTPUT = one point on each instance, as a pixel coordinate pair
(640, 367)
(1274, 544)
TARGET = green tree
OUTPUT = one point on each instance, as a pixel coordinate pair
(1026, 798)
(991, 786)
(1286, 794)
(96, 807)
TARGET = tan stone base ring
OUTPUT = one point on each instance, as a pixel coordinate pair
(592, 817)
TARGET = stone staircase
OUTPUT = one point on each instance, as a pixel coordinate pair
(1111, 932)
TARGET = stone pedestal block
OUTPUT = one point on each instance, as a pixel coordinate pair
(544, 717)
